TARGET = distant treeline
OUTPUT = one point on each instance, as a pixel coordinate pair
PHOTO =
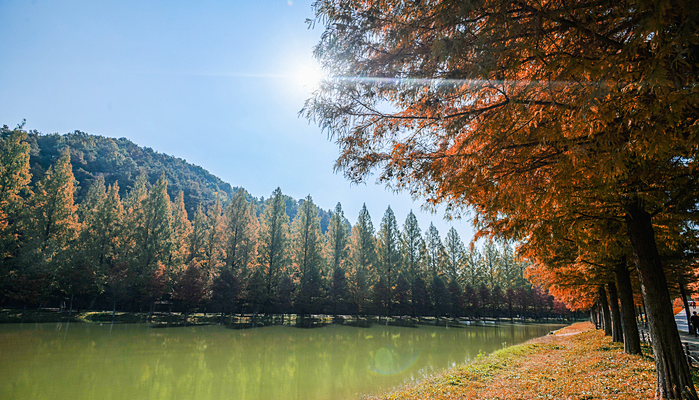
(135, 249)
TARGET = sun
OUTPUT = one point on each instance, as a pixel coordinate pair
(309, 76)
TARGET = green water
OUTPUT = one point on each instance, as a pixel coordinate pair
(133, 361)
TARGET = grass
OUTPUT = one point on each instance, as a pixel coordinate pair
(575, 363)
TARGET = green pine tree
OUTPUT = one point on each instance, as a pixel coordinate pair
(389, 257)
(274, 237)
(411, 242)
(363, 259)
(14, 191)
(306, 255)
(455, 255)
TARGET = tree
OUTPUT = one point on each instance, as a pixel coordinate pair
(420, 297)
(240, 238)
(337, 235)
(457, 299)
(389, 261)
(54, 226)
(102, 224)
(54, 216)
(225, 290)
(197, 237)
(435, 250)
(563, 110)
(455, 254)
(181, 231)
(153, 238)
(440, 296)
(410, 244)
(101, 215)
(273, 243)
(213, 251)
(492, 271)
(337, 245)
(14, 188)
(190, 288)
(403, 294)
(473, 274)
(306, 255)
(339, 291)
(241, 228)
(363, 258)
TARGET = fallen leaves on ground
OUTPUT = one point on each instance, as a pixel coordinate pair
(577, 362)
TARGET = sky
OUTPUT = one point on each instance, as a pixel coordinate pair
(216, 83)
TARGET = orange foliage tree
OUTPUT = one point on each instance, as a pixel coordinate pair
(530, 113)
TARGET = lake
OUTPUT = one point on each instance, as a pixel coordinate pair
(135, 361)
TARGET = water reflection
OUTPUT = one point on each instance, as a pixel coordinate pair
(87, 361)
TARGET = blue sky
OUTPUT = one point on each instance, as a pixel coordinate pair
(213, 82)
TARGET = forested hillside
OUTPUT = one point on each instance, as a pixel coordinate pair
(121, 160)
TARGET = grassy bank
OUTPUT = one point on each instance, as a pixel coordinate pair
(577, 362)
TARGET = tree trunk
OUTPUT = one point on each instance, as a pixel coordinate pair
(683, 293)
(606, 317)
(594, 315)
(632, 343)
(70, 313)
(673, 377)
(113, 310)
(644, 315)
(617, 331)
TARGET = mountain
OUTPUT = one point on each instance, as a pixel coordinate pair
(121, 160)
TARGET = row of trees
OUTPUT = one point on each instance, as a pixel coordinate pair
(569, 126)
(143, 249)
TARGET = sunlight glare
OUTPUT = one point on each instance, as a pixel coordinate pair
(309, 76)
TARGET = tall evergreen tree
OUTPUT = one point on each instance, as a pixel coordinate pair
(213, 243)
(181, 231)
(14, 192)
(133, 218)
(455, 255)
(240, 247)
(363, 258)
(337, 244)
(492, 271)
(54, 226)
(101, 215)
(155, 233)
(152, 234)
(440, 296)
(512, 269)
(435, 250)
(337, 237)
(197, 238)
(473, 274)
(389, 256)
(411, 241)
(306, 255)
(54, 211)
(420, 297)
(274, 236)
(241, 229)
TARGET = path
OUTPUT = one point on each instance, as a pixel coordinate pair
(689, 341)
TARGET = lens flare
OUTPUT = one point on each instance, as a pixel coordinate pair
(309, 76)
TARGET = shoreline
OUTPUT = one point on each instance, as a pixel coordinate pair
(575, 362)
(15, 316)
